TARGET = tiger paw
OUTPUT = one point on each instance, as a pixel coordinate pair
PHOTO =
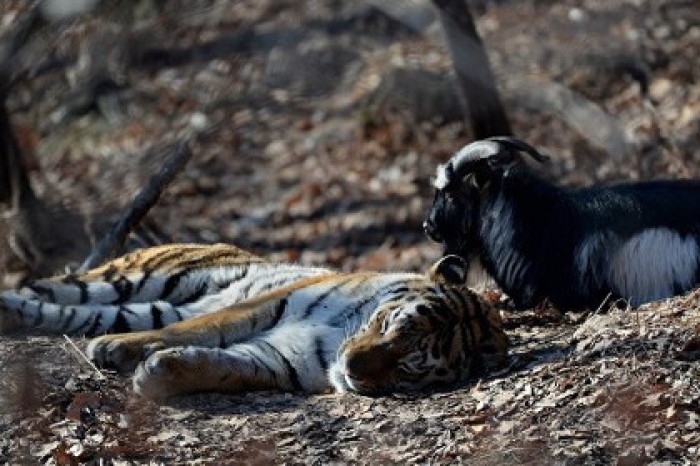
(168, 372)
(123, 352)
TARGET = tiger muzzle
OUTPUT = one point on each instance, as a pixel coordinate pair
(371, 363)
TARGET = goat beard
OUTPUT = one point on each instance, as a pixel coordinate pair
(459, 245)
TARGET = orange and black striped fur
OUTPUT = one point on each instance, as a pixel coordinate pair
(216, 318)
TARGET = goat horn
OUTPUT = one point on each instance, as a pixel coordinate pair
(521, 146)
(505, 148)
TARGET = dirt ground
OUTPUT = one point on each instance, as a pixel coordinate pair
(300, 155)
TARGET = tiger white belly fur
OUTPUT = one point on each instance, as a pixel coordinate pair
(216, 318)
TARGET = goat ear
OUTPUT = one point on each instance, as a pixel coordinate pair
(451, 269)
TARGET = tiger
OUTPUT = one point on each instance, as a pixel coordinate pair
(188, 318)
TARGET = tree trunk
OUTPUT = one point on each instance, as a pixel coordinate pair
(14, 182)
(475, 80)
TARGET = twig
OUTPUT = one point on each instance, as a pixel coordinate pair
(142, 203)
(602, 304)
(84, 357)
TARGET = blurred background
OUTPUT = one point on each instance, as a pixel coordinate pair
(316, 126)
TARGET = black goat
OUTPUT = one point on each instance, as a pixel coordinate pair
(638, 241)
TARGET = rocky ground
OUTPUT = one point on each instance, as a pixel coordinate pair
(304, 152)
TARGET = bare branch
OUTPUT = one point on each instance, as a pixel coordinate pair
(143, 201)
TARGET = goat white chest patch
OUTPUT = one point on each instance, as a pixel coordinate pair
(652, 265)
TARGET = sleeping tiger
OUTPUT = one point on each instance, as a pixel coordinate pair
(199, 318)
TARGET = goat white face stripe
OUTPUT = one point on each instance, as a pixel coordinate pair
(649, 265)
(475, 150)
(441, 179)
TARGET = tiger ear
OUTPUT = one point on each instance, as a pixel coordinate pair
(451, 269)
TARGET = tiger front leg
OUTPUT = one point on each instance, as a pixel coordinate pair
(241, 368)
(217, 329)
(123, 351)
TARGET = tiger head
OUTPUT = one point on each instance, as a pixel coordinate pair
(436, 333)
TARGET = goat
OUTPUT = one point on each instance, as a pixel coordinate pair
(576, 247)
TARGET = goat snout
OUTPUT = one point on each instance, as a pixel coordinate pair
(431, 230)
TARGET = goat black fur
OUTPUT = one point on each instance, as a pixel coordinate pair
(637, 241)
